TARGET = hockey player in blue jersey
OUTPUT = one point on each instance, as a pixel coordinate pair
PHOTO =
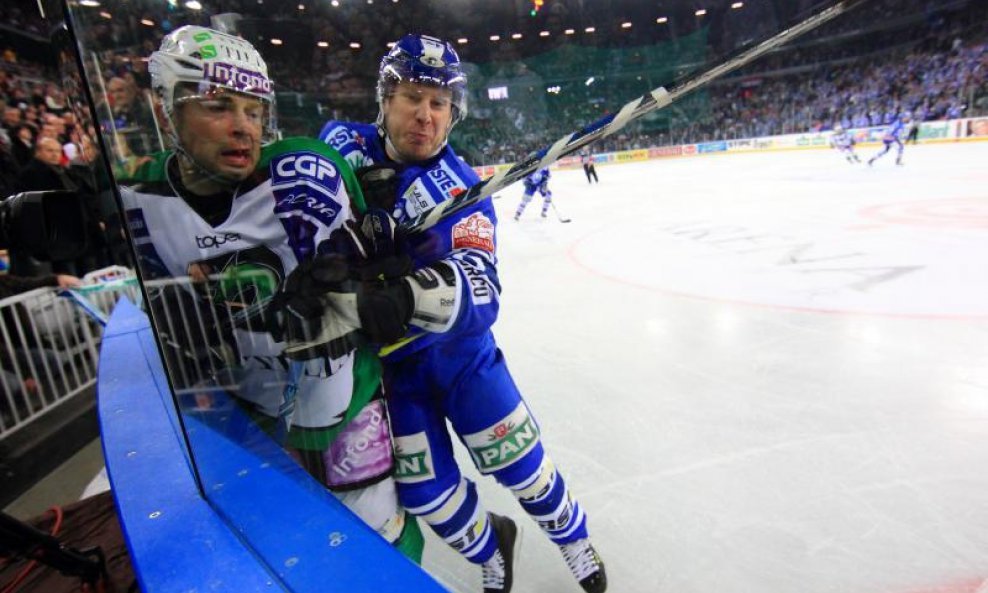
(538, 181)
(842, 141)
(433, 305)
(895, 133)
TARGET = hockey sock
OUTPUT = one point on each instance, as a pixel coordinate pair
(525, 199)
(547, 499)
(457, 517)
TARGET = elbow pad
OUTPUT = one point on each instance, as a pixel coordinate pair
(436, 297)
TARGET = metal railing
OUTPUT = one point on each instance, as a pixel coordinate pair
(49, 346)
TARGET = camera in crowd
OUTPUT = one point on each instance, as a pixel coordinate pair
(47, 225)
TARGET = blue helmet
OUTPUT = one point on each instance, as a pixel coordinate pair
(424, 60)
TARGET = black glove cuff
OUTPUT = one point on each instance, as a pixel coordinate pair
(385, 311)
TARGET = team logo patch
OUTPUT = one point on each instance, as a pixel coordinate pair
(474, 232)
(340, 136)
(306, 182)
(432, 61)
(308, 166)
(503, 443)
(413, 459)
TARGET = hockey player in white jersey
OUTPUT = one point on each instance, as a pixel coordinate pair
(441, 362)
(536, 182)
(218, 223)
(842, 141)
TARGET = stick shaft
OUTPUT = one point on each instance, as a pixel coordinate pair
(655, 99)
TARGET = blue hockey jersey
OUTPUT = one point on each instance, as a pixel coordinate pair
(895, 132)
(537, 180)
(466, 241)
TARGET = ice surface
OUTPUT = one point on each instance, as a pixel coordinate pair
(763, 373)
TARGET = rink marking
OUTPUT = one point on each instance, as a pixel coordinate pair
(572, 255)
(957, 213)
(979, 585)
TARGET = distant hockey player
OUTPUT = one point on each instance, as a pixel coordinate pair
(538, 181)
(216, 220)
(893, 135)
(432, 305)
(842, 141)
(586, 158)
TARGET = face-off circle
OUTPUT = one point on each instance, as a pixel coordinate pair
(960, 213)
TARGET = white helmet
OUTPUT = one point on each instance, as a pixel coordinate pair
(210, 59)
(838, 128)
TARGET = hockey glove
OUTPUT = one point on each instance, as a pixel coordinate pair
(370, 247)
(319, 315)
(317, 319)
(315, 312)
(384, 309)
(427, 299)
(379, 184)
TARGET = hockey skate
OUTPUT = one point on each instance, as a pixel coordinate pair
(499, 570)
(586, 565)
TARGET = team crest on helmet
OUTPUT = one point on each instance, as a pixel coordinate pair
(432, 61)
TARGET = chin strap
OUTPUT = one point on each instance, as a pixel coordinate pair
(211, 176)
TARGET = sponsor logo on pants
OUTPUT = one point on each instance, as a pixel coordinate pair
(503, 443)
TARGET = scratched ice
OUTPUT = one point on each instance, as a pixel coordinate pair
(759, 373)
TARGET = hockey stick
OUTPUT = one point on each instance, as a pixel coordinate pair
(558, 215)
(656, 99)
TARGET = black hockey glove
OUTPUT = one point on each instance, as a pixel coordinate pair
(427, 298)
(379, 184)
(370, 248)
(319, 314)
(315, 312)
(326, 300)
(384, 309)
